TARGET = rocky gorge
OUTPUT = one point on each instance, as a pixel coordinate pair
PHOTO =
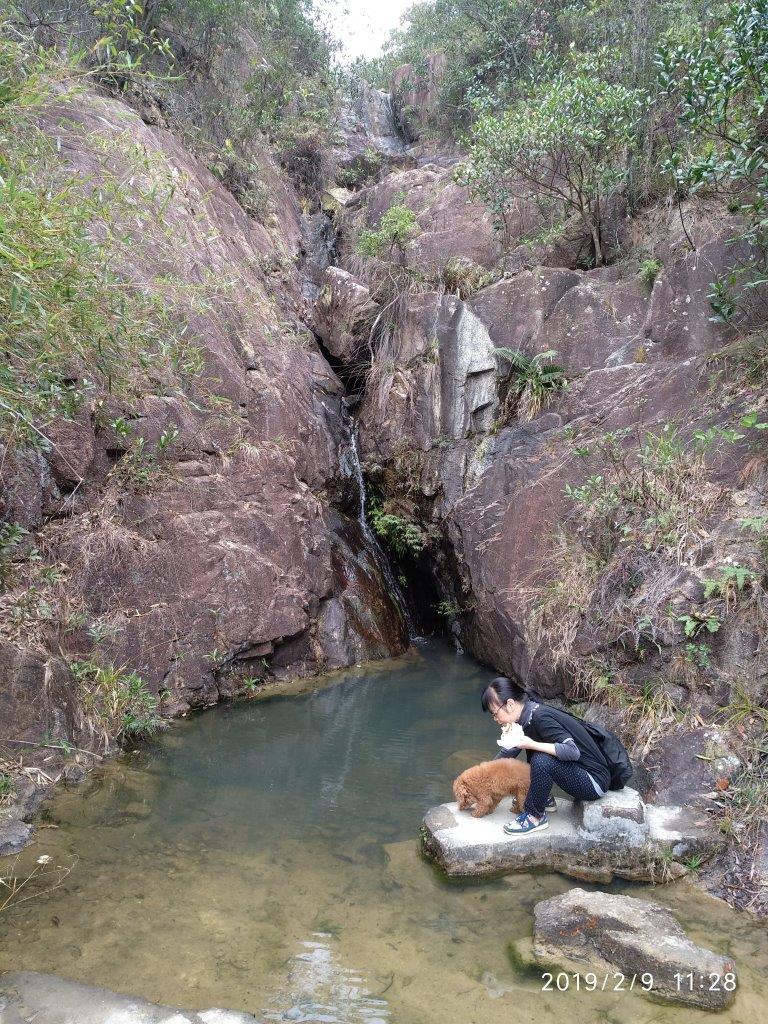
(209, 533)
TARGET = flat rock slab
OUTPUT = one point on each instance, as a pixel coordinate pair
(600, 933)
(618, 835)
(30, 998)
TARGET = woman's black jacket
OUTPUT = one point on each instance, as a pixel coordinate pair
(550, 725)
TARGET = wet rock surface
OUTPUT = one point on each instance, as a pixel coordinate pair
(617, 836)
(30, 998)
(602, 933)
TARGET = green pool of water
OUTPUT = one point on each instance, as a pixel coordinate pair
(263, 857)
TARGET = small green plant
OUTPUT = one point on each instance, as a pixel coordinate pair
(137, 468)
(529, 382)
(100, 631)
(648, 270)
(51, 742)
(398, 225)
(733, 579)
(120, 426)
(11, 536)
(462, 277)
(403, 537)
(694, 862)
(364, 168)
(742, 706)
(447, 609)
(168, 436)
(755, 524)
(697, 655)
(752, 421)
(115, 703)
(696, 622)
(216, 657)
(7, 792)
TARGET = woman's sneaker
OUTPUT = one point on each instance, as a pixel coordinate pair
(551, 805)
(523, 825)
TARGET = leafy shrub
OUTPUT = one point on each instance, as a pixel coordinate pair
(720, 86)
(648, 271)
(116, 704)
(397, 227)
(402, 537)
(364, 168)
(529, 383)
(563, 148)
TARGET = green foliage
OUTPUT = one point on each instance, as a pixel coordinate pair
(652, 497)
(398, 225)
(720, 86)
(129, 34)
(447, 609)
(69, 325)
(648, 270)
(732, 580)
(696, 622)
(6, 788)
(563, 148)
(116, 704)
(363, 169)
(402, 537)
(697, 655)
(11, 537)
(462, 277)
(529, 384)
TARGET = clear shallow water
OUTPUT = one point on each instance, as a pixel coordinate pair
(263, 857)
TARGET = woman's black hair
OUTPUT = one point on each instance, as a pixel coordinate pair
(499, 691)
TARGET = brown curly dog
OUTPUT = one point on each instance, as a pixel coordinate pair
(480, 788)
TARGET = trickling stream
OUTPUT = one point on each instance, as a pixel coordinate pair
(263, 856)
(393, 586)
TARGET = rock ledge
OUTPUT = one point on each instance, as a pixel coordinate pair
(618, 835)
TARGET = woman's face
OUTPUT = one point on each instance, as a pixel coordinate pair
(506, 714)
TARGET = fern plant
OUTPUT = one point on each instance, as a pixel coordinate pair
(531, 382)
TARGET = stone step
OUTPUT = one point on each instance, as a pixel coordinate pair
(618, 835)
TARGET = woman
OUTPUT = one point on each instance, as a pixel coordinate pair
(559, 750)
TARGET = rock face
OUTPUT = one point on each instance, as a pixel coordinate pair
(27, 997)
(344, 312)
(451, 225)
(415, 92)
(618, 835)
(598, 932)
(235, 552)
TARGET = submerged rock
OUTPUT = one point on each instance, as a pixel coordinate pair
(26, 996)
(618, 835)
(595, 931)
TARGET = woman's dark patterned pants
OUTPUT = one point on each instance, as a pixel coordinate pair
(547, 770)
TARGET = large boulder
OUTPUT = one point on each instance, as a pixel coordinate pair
(618, 835)
(344, 314)
(451, 224)
(618, 935)
(27, 997)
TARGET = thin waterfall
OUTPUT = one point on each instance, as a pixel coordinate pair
(395, 590)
